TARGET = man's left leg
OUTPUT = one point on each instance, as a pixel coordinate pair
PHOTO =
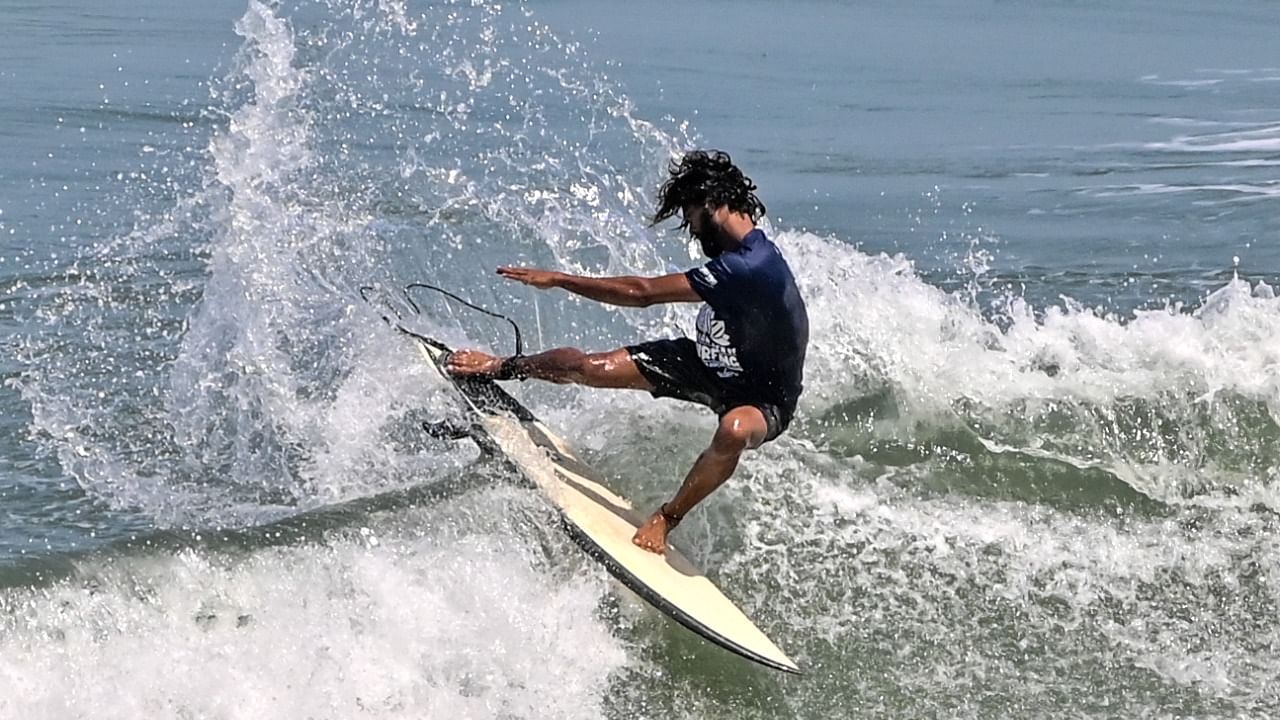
(612, 369)
(740, 429)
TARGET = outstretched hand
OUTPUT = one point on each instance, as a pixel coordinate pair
(541, 279)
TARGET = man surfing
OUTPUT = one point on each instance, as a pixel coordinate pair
(748, 361)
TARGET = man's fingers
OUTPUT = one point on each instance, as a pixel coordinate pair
(528, 276)
(511, 273)
(645, 538)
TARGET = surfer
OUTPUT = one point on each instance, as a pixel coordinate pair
(747, 362)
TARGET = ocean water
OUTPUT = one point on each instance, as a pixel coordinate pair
(1035, 473)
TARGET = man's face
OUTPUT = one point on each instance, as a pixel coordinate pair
(704, 228)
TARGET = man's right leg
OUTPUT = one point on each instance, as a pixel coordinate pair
(612, 369)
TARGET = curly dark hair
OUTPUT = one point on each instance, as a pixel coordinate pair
(710, 179)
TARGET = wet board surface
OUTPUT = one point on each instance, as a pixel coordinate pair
(603, 522)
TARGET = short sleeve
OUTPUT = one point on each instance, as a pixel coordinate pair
(719, 282)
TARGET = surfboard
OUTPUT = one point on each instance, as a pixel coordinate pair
(603, 522)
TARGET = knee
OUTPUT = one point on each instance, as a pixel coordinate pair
(740, 429)
(576, 362)
(595, 368)
(566, 365)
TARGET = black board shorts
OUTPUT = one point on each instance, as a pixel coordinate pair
(676, 371)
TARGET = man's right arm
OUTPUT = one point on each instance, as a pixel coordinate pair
(627, 291)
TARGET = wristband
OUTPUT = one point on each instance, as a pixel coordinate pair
(511, 370)
(672, 520)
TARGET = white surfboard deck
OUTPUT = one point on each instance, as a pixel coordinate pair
(603, 522)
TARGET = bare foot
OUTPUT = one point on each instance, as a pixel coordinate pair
(652, 535)
(467, 363)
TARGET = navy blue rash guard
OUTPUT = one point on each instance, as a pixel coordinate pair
(754, 329)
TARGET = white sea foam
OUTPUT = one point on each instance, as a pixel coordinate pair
(927, 581)
(876, 325)
(1265, 138)
(390, 622)
(874, 317)
(1200, 122)
(1238, 191)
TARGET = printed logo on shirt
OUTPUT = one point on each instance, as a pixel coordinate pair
(707, 277)
(715, 349)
